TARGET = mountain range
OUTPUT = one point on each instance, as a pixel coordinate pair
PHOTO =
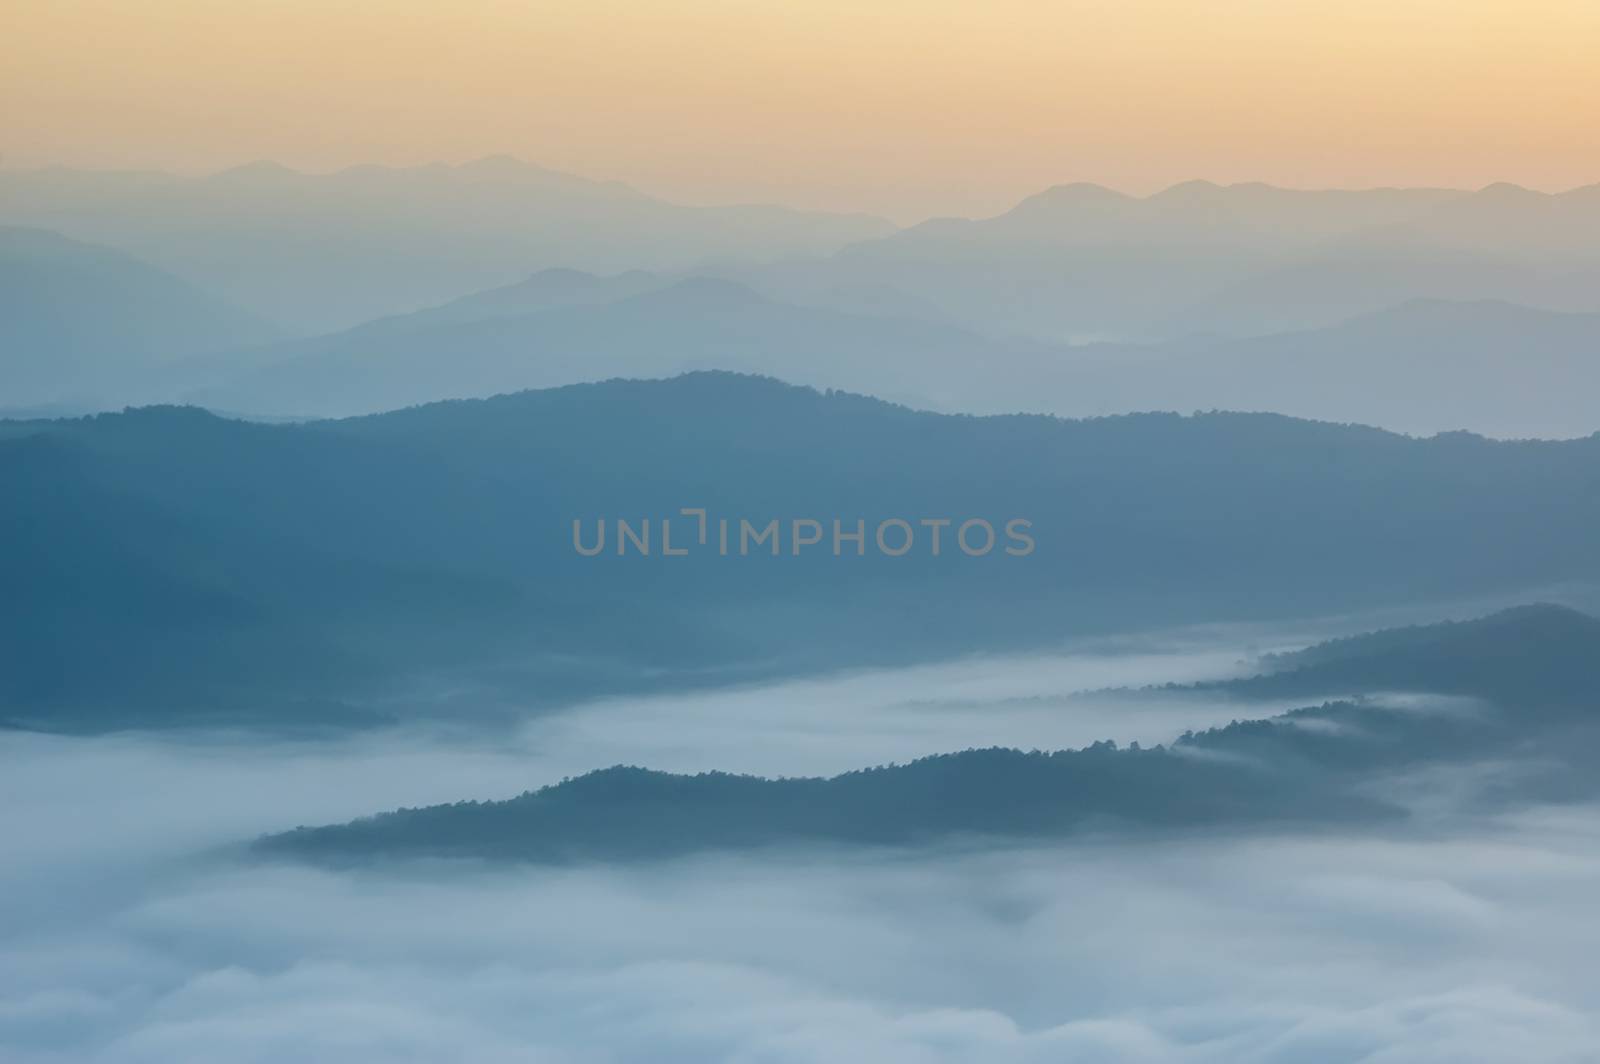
(324, 252)
(1417, 310)
(321, 252)
(166, 564)
(1422, 367)
(1083, 262)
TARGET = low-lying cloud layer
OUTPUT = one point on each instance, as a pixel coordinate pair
(133, 932)
(1263, 949)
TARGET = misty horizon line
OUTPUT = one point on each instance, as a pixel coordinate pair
(508, 162)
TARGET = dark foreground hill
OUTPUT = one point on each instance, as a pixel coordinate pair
(166, 565)
(1324, 765)
(1533, 656)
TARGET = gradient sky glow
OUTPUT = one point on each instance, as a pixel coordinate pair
(901, 107)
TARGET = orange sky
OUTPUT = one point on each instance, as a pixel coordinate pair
(902, 107)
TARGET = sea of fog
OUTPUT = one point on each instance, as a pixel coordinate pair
(132, 931)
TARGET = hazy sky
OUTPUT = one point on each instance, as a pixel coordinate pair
(904, 107)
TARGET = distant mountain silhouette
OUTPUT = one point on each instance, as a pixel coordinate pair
(1080, 262)
(322, 252)
(494, 276)
(172, 560)
(579, 328)
(1511, 371)
(549, 289)
(1314, 765)
(1423, 367)
(79, 321)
